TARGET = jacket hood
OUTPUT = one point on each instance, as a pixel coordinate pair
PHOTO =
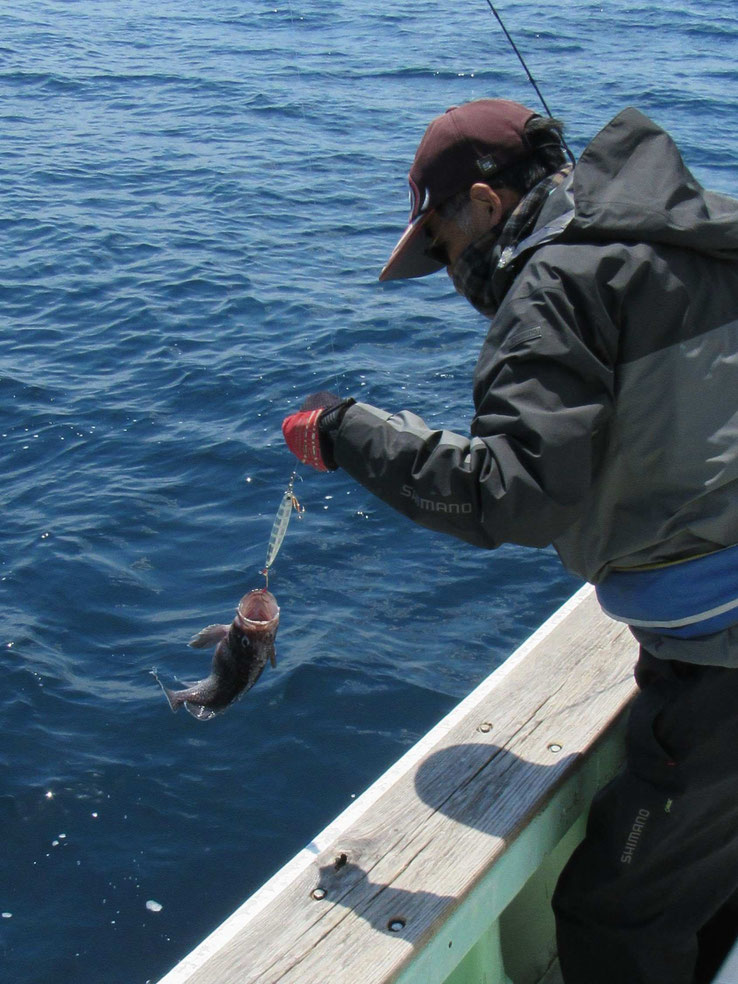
(631, 183)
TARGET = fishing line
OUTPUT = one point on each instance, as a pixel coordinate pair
(528, 73)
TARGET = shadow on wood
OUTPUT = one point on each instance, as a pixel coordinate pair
(401, 903)
(494, 793)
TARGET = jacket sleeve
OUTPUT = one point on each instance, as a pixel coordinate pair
(543, 396)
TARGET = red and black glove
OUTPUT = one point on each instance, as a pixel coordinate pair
(309, 433)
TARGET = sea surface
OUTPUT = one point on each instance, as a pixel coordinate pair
(196, 199)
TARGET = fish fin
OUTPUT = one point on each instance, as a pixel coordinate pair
(169, 694)
(201, 713)
(273, 658)
(211, 635)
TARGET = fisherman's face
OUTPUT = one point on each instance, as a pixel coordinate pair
(486, 208)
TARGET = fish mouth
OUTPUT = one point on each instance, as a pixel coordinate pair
(258, 610)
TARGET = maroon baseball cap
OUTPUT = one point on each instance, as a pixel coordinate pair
(464, 145)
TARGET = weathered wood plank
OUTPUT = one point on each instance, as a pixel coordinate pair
(416, 847)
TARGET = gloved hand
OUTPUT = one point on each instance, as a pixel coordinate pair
(310, 432)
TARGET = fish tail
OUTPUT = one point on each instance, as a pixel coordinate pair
(199, 712)
(174, 699)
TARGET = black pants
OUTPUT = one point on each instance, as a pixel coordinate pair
(651, 894)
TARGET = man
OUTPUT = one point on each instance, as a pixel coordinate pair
(606, 423)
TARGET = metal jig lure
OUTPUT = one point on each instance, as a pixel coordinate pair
(288, 504)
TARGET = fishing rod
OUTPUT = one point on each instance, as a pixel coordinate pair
(289, 503)
(528, 73)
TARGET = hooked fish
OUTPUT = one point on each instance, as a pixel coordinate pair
(242, 650)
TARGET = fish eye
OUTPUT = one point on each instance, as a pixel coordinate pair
(245, 642)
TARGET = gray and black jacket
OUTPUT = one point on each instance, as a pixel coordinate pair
(606, 391)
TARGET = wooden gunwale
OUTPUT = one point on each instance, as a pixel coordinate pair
(418, 880)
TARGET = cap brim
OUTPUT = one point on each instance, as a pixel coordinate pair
(409, 258)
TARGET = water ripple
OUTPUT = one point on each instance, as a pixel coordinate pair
(196, 205)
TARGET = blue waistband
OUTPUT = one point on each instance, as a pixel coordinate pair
(691, 598)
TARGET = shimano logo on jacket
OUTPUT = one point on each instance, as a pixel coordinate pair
(436, 505)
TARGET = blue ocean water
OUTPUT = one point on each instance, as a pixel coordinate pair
(196, 200)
